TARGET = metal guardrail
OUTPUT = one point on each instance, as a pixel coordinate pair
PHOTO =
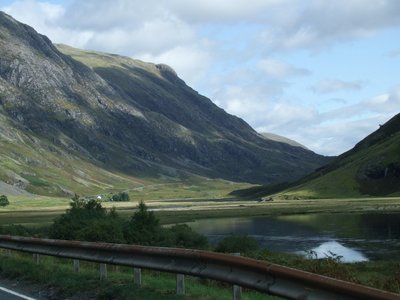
(254, 274)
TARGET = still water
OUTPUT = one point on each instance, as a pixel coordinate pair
(355, 237)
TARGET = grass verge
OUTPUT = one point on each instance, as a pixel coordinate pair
(56, 275)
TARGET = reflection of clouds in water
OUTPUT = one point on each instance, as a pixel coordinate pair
(334, 248)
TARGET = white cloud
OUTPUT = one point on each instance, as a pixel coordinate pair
(275, 68)
(206, 11)
(190, 62)
(320, 23)
(328, 133)
(336, 85)
(234, 65)
(385, 103)
(153, 37)
(44, 17)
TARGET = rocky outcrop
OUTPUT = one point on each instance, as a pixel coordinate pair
(126, 115)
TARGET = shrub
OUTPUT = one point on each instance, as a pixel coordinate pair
(88, 220)
(4, 200)
(120, 197)
(181, 235)
(16, 230)
(143, 228)
(237, 243)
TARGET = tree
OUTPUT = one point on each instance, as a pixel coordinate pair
(4, 200)
(143, 228)
(182, 236)
(123, 196)
(87, 220)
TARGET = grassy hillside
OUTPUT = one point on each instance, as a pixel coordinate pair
(371, 168)
(92, 123)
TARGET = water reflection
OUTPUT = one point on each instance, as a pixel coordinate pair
(356, 237)
(334, 249)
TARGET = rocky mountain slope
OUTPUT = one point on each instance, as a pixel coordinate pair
(371, 168)
(65, 109)
(282, 139)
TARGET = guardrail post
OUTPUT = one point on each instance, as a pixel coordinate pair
(76, 265)
(236, 289)
(36, 258)
(103, 271)
(137, 276)
(180, 284)
(8, 252)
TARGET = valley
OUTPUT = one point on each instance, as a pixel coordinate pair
(41, 211)
(79, 129)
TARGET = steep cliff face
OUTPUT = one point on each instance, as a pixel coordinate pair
(128, 116)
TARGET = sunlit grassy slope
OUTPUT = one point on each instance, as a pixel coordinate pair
(371, 168)
(41, 168)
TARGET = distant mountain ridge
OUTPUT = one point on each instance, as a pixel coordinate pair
(62, 107)
(371, 168)
(282, 139)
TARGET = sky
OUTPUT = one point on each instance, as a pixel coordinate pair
(322, 72)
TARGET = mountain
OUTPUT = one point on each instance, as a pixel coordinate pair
(282, 139)
(73, 118)
(371, 168)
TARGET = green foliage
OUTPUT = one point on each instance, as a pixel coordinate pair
(88, 220)
(16, 230)
(56, 279)
(371, 168)
(143, 228)
(123, 196)
(181, 235)
(237, 243)
(330, 266)
(4, 200)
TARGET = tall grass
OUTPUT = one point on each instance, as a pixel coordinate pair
(58, 276)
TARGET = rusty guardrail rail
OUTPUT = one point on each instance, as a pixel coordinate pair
(254, 274)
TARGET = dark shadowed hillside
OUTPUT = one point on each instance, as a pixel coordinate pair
(63, 107)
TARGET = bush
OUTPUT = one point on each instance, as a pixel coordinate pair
(4, 200)
(87, 220)
(181, 235)
(120, 197)
(16, 230)
(237, 243)
(143, 228)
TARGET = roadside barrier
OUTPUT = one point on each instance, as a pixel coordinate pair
(262, 276)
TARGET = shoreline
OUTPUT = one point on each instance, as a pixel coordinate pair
(186, 210)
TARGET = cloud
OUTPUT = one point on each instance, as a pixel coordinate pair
(394, 53)
(275, 68)
(151, 38)
(336, 85)
(261, 104)
(319, 23)
(191, 62)
(28, 10)
(226, 48)
(44, 17)
(330, 133)
(385, 103)
(222, 11)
